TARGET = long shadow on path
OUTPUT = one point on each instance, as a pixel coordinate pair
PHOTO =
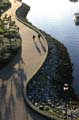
(11, 85)
(38, 49)
(43, 47)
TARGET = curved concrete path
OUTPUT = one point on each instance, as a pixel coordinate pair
(20, 70)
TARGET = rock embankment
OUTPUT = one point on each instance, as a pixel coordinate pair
(45, 90)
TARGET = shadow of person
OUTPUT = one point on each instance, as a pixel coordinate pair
(3, 90)
(10, 106)
(43, 47)
(37, 48)
(7, 106)
(19, 79)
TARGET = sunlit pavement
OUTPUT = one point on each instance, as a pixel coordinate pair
(21, 69)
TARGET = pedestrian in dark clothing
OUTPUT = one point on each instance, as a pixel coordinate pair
(33, 36)
(39, 36)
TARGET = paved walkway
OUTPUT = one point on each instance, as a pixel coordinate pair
(22, 68)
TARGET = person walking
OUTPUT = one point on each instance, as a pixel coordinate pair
(39, 36)
(33, 37)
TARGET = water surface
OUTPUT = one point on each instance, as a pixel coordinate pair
(56, 17)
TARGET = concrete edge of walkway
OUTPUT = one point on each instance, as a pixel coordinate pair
(27, 101)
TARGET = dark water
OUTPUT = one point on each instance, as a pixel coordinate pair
(56, 17)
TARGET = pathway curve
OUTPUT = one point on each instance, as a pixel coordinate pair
(21, 69)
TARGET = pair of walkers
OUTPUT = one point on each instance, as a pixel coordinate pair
(38, 36)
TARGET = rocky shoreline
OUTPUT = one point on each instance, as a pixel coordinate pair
(45, 89)
(57, 68)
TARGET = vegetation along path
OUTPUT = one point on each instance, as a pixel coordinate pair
(21, 69)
